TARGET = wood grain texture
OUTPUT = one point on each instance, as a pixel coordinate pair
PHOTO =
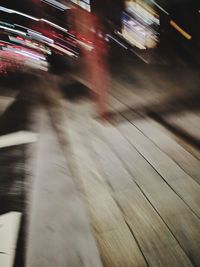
(117, 251)
(180, 181)
(116, 242)
(184, 225)
(156, 241)
(182, 157)
(187, 121)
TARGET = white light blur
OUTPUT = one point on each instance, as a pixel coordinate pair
(84, 4)
(31, 45)
(12, 30)
(40, 37)
(33, 18)
(56, 4)
(161, 8)
(11, 11)
(26, 28)
(54, 25)
(33, 55)
(62, 50)
(24, 53)
(117, 41)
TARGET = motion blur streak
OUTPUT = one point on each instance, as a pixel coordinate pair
(62, 50)
(99, 133)
(180, 30)
(33, 18)
(17, 12)
(161, 8)
(54, 25)
(40, 37)
(56, 4)
(12, 30)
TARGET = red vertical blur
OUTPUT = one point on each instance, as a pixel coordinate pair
(94, 61)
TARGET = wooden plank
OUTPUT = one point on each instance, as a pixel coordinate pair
(187, 121)
(135, 97)
(117, 251)
(59, 233)
(106, 218)
(180, 181)
(127, 97)
(117, 176)
(184, 225)
(121, 110)
(160, 100)
(156, 241)
(121, 92)
(116, 243)
(114, 105)
(139, 213)
(167, 144)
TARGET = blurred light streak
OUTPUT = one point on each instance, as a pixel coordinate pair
(33, 18)
(117, 41)
(84, 45)
(140, 56)
(141, 13)
(20, 26)
(68, 49)
(3, 23)
(161, 8)
(66, 40)
(11, 11)
(56, 4)
(180, 30)
(62, 50)
(53, 6)
(3, 43)
(83, 4)
(23, 53)
(139, 26)
(40, 37)
(39, 65)
(33, 55)
(54, 25)
(12, 30)
(31, 45)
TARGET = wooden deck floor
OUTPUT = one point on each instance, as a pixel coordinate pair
(141, 188)
(140, 184)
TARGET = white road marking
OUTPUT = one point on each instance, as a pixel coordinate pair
(18, 138)
(9, 229)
